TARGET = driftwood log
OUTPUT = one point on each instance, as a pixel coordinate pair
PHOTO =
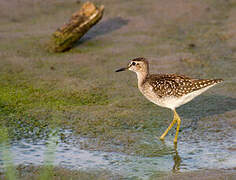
(80, 22)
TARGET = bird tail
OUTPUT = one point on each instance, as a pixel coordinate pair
(217, 80)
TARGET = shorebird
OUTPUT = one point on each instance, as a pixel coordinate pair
(167, 90)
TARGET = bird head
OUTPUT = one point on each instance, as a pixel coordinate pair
(137, 65)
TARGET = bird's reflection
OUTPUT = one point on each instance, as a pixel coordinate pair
(176, 158)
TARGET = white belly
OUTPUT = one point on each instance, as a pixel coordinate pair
(171, 102)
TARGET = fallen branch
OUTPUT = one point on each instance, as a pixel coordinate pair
(80, 22)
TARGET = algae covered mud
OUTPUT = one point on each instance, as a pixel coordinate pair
(104, 123)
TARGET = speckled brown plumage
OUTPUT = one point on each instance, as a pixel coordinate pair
(177, 85)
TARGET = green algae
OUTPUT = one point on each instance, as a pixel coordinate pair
(26, 109)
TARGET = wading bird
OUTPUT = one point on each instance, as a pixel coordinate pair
(167, 90)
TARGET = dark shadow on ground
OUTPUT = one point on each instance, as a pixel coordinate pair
(207, 105)
(103, 28)
(204, 106)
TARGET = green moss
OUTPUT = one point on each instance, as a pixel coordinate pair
(26, 109)
(25, 97)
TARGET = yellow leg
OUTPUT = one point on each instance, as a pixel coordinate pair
(170, 126)
(178, 126)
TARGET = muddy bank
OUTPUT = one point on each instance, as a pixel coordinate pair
(78, 90)
(35, 172)
(40, 90)
(202, 174)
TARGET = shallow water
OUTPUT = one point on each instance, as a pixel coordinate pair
(189, 155)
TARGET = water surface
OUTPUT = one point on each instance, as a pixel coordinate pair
(188, 156)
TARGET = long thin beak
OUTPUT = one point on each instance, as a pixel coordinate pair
(121, 69)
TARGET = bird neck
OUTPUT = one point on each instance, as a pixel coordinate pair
(141, 77)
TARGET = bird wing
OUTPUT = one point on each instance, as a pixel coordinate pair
(177, 85)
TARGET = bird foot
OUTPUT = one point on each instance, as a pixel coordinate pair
(162, 138)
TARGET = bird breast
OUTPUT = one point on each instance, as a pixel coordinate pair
(148, 91)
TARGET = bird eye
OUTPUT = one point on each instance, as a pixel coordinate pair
(133, 63)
